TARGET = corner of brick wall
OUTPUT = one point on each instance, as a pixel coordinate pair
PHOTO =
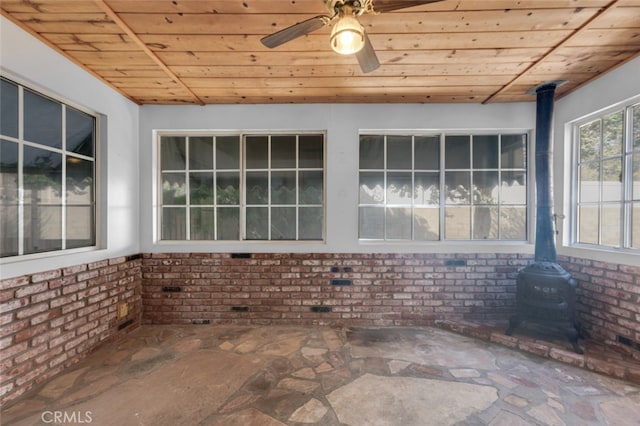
(608, 302)
(51, 320)
(327, 288)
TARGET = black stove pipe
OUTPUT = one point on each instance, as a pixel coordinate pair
(545, 249)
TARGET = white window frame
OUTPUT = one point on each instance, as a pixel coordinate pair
(99, 183)
(442, 134)
(627, 177)
(159, 134)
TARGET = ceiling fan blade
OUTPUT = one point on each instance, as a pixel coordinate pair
(295, 31)
(391, 5)
(367, 57)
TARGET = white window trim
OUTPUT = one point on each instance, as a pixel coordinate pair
(242, 243)
(100, 172)
(595, 251)
(460, 244)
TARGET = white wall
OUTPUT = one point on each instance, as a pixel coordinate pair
(27, 59)
(342, 124)
(617, 86)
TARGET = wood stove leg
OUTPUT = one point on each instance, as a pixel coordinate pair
(514, 322)
(573, 335)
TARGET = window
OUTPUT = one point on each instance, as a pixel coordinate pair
(47, 173)
(443, 187)
(607, 179)
(242, 187)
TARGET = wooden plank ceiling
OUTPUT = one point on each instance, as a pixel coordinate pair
(209, 51)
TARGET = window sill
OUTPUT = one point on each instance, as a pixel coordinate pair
(603, 254)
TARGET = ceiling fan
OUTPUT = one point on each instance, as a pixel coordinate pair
(348, 35)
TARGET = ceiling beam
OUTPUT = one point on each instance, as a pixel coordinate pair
(115, 18)
(553, 50)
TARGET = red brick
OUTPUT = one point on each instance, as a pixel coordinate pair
(72, 306)
(32, 310)
(12, 350)
(633, 375)
(7, 295)
(60, 282)
(58, 361)
(61, 339)
(31, 289)
(74, 287)
(567, 357)
(30, 354)
(47, 295)
(15, 282)
(605, 367)
(72, 270)
(49, 354)
(537, 348)
(17, 370)
(45, 276)
(84, 276)
(6, 319)
(98, 264)
(14, 304)
(503, 339)
(75, 342)
(29, 333)
(13, 327)
(31, 375)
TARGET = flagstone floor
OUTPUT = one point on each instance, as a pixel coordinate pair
(264, 376)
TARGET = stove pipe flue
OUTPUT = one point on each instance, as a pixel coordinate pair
(545, 249)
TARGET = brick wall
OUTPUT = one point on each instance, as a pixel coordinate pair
(352, 289)
(53, 319)
(608, 302)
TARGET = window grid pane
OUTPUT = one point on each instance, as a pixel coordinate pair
(485, 202)
(56, 159)
(282, 173)
(9, 208)
(206, 178)
(606, 179)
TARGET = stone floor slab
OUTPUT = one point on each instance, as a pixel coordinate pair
(311, 412)
(379, 401)
(429, 347)
(58, 386)
(620, 410)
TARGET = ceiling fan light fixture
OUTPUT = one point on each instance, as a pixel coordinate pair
(347, 35)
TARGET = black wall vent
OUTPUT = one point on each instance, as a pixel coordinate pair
(125, 324)
(336, 269)
(200, 321)
(241, 255)
(341, 282)
(240, 308)
(321, 309)
(172, 289)
(455, 262)
(628, 342)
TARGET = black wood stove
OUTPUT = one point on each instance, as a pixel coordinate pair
(545, 292)
(546, 295)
